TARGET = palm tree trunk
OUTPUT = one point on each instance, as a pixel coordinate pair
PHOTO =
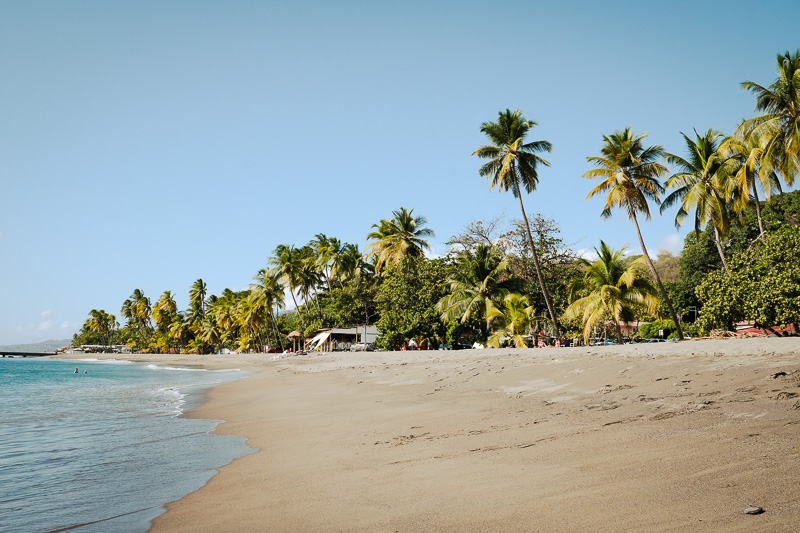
(758, 214)
(655, 273)
(538, 270)
(277, 331)
(719, 248)
(619, 331)
(296, 307)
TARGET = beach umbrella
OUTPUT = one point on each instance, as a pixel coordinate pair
(294, 336)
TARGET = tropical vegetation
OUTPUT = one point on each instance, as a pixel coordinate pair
(507, 282)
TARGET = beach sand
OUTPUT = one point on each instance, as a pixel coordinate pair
(657, 437)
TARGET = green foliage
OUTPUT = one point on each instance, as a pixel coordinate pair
(352, 303)
(700, 257)
(557, 262)
(652, 329)
(406, 302)
(611, 287)
(511, 321)
(763, 285)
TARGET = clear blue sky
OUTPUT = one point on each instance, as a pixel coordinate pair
(147, 144)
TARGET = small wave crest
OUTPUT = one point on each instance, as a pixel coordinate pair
(154, 366)
(106, 361)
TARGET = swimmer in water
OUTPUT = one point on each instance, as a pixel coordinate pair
(76, 371)
(85, 371)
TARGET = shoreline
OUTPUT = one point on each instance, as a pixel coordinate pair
(667, 436)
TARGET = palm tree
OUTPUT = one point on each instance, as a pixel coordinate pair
(630, 174)
(511, 319)
(702, 183)
(178, 330)
(477, 279)
(746, 148)
(310, 275)
(209, 333)
(402, 236)
(328, 255)
(610, 287)
(136, 310)
(197, 297)
(352, 264)
(268, 292)
(164, 311)
(287, 263)
(102, 323)
(512, 166)
(780, 124)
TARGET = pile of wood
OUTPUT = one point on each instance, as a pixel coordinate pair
(722, 334)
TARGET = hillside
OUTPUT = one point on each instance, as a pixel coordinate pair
(44, 346)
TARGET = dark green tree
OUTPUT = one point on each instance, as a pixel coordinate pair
(406, 302)
(763, 285)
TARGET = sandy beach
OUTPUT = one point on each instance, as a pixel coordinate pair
(657, 437)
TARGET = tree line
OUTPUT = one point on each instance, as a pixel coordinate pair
(502, 281)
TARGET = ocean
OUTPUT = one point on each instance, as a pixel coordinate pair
(102, 449)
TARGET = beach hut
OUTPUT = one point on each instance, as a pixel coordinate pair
(294, 336)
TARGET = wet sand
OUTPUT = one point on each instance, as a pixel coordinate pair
(658, 437)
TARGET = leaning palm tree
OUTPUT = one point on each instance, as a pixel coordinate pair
(476, 280)
(513, 166)
(511, 319)
(402, 236)
(610, 287)
(780, 123)
(630, 174)
(703, 183)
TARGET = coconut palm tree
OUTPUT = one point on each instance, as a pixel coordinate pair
(136, 310)
(309, 276)
(287, 263)
(178, 330)
(402, 236)
(209, 333)
(267, 291)
(746, 149)
(102, 323)
(197, 297)
(328, 252)
(630, 174)
(476, 280)
(610, 287)
(703, 184)
(164, 311)
(513, 166)
(779, 126)
(352, 264)
(511, 319)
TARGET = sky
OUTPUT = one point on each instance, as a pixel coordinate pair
(148, 144)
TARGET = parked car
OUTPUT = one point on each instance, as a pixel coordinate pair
(361, 347)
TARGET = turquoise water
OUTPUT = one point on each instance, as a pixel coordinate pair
(104, 448)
